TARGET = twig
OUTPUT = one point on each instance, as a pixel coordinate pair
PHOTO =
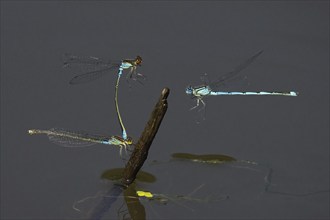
(141, 149)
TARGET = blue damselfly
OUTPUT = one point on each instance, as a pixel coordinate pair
(210, 89)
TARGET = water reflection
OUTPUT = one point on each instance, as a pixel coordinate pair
(117, 174)
(99, 206)
(221, 177)
(269, 187)
(103, 203)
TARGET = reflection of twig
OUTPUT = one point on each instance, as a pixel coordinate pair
(135, 209)
(140, 152)
(106, 202)
(102, 202)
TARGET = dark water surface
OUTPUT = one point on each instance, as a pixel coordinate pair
(178, 41)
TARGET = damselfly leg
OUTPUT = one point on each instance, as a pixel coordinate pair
(200, 92)
(133, 74)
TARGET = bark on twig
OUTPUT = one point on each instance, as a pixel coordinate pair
(141, 149)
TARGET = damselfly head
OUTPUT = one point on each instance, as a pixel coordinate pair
(189, 90)
(129, 141)
(138, 60)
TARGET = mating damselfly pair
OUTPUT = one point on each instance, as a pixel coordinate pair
(97, 68)
(100, 68)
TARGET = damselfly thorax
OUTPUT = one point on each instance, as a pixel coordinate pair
(198, 91)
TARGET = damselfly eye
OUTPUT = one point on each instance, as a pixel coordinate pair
(129, 140)
(138, 60)
(189, 90)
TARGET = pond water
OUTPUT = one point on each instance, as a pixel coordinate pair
(178, 41)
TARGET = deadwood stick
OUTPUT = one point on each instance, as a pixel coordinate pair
(141, 149)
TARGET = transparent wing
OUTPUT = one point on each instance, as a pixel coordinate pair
(133, 75)
(90, 76)
(234, 73)
(68, 138)
(71, 60)
(205, 79)
(91, 68)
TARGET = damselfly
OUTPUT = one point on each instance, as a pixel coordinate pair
(68, 138)
(209, 89)
(100, 67)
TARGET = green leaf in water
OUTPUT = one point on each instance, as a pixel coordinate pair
(204, 158)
